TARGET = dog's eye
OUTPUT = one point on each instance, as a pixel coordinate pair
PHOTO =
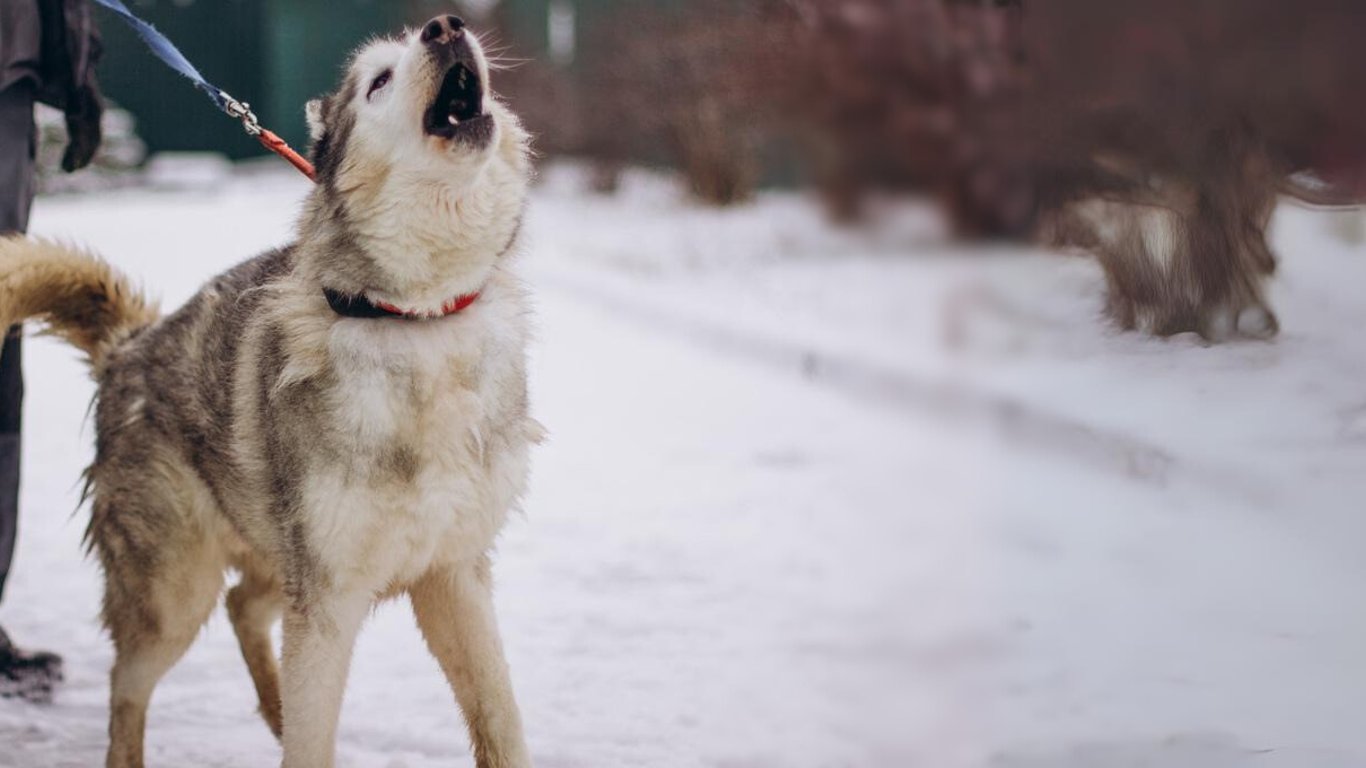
(380, 82)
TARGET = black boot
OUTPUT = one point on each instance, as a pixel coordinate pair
(27, 675)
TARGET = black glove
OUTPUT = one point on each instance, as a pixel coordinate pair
(83, 113)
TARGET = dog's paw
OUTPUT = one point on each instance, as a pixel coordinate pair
(1258, 323)
(1232, 323)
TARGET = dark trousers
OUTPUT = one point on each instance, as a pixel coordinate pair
(17, 150)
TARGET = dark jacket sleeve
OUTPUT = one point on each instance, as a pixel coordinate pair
(71, 48)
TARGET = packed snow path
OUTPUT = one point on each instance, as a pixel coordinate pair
(731, 561)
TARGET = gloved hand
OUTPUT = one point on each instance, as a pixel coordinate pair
(83, 113)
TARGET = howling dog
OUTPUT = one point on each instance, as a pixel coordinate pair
(341, 421)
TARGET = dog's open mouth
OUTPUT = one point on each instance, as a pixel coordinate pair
(459, 107)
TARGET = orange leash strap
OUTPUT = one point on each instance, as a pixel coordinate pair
(278, 145)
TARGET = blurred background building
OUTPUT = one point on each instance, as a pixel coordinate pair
(613, 82)
(277, 54)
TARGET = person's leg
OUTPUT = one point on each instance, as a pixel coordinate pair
(11, 406)
(30, 675)
(17, 147)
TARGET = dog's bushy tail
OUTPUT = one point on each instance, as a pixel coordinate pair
(76, 294)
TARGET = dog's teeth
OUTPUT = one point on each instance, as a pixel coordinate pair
(453, 120)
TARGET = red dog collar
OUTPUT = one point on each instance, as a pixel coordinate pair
(348, 305)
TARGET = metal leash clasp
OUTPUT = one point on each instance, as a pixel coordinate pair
(242, 111)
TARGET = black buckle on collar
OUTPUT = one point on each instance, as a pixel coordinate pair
(347, 305)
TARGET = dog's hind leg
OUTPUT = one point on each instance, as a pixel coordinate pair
(319, 637)
(254, 605)
(454, 609)
(156, 600)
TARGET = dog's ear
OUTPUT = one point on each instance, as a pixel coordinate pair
(315, 111)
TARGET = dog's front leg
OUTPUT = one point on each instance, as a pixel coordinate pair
(319, 637)
(454, 609)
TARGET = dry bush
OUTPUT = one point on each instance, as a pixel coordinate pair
(1163, 132)
(675, 85)
(880, 95)
(1158, 134)
(655, 84)
(854, 96)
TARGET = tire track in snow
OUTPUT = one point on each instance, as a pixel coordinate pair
(925, 395)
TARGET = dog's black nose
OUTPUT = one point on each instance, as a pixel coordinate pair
(443, 29)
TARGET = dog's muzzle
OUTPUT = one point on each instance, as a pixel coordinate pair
(457, 111)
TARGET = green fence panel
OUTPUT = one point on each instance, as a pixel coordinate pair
(308, 42)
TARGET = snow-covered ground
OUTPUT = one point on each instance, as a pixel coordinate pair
(817, 498)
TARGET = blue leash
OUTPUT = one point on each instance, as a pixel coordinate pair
(165, 50)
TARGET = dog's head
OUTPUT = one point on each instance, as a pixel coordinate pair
(418, 104)
(419, 164)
